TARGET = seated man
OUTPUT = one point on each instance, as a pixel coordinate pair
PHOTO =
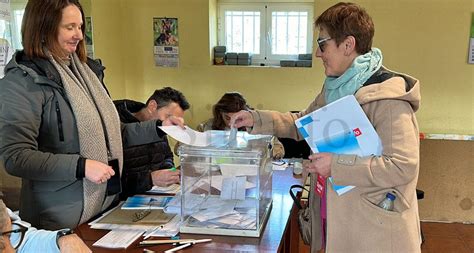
(18, 236)
(149, 164)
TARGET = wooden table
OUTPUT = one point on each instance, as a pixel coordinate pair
(280, 233)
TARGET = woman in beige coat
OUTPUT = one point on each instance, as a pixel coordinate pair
(353, 222)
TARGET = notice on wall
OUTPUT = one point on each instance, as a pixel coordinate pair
(471, 42)
(89, 39)
(5, 12)
(6, 53)
(165, 41)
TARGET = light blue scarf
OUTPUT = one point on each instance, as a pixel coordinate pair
(363, 67)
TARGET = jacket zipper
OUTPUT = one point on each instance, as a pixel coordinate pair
(60, 122)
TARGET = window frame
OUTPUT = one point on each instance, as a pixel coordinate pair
(221, 25)
(266, 57)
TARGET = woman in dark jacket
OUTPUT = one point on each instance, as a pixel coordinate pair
(58, 125)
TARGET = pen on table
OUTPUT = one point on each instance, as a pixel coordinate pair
(148, 251)
(153, 231)
(150, 242)
(196, 241)
(178, 248)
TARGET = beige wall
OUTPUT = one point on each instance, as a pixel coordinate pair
(425, 38)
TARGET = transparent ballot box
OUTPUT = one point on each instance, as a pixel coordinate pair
(226, 188)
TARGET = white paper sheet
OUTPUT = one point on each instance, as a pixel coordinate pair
(279, 165)
(216, 182)
(172, 189)
(118, 239)
(233, 188)
(187, 136)
(235, 170)
(169, 229)
(215, 212)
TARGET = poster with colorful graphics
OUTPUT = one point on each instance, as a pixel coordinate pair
(88, 38)
(471, 42)
(166, 42)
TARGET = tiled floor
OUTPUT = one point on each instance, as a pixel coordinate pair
(442, 238)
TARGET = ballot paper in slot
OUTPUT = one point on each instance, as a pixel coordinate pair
(340, 127)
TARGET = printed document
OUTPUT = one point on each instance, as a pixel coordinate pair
(118, 239)
(340, 127)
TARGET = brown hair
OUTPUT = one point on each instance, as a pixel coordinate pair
(230, 102)
(348, 19)
(40, 28)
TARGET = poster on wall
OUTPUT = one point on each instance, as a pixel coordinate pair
(471, 42)
(89, 39)
(5, 12)
(6, 53)
(165, 42)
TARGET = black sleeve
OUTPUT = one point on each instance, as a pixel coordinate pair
(160, 132)
(81, 168)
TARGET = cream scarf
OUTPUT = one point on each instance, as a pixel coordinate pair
(98, 126)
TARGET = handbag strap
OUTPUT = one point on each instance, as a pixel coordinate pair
(293, 196)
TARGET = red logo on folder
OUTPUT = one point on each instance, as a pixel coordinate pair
(357, 132)
(320, 184)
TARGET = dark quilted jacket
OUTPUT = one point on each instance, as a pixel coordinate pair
(141, 160)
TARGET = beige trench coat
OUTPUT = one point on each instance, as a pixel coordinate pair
(354, 221)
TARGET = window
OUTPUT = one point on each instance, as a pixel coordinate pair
(10, 35)
(11, 30)
(270, 31)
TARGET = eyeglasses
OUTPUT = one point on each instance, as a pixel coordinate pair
(21, 229)
(321, 42)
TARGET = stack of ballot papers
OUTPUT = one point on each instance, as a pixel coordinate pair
(118, 239)
(171, 189)
(125, 230)
(146, 202)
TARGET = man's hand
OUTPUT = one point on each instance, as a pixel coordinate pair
(173, 121)
(164, 178)
(242, 119)
(72, 244)
(98, 172)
